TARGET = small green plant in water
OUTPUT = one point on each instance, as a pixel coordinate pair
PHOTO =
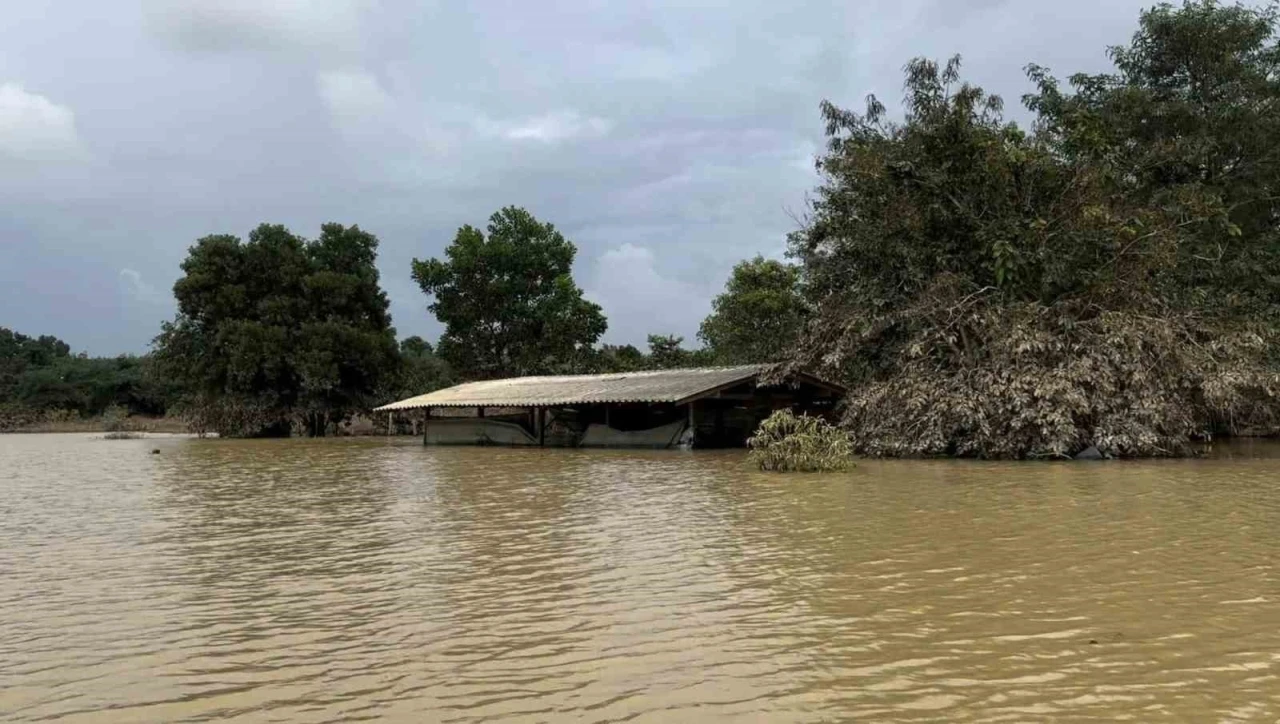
(787, 443)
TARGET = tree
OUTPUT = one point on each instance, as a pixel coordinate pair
(18, 353)
(1185, 131)
(36, 352)
(666, 352)
(90, 385)
(759, 315)
(1109, 279)
(421, 371)
(279, 331)
(620, 358)
(40, 376)
(508, 300)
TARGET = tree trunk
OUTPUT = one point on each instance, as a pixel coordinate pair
(316, 424)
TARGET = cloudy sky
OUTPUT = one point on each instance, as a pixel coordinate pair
(667, 138)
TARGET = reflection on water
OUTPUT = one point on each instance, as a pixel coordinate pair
(339, 580)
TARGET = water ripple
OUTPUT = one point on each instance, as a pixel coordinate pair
(352, 580)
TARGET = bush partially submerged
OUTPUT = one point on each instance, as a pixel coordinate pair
(787, 443)
(117, 426)
(979, 379)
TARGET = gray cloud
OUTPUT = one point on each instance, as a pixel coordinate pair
(625, 281)
(667, 138)
(231, 25)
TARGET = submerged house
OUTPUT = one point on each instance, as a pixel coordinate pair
(698, 407)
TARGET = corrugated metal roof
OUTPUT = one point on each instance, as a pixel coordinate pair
(655, 386)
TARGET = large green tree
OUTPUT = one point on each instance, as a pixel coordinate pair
(279, 332)
(1108, 278)
(759, 315)
(508, 300)
(1184, 137)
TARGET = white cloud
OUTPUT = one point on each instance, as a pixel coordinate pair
(222, 25)
(33, 128)
(638, 300)
(353, 95)
(547, 128)
(136, 287)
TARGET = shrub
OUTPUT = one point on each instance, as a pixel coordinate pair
(787, 443)
(116, 424)
(995, 380)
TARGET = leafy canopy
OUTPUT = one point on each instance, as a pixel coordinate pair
(620, 358)
(1182, 141)
(667, 352)
(19, 353)
(508, 300)
(40, 375)
(420, 371)
(1109, 278)
(279, 331)
(758, 316)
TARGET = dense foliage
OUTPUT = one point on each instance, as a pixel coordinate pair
(758, 316)
(619, 358)
(508, 300)
(789, 443)
(665, 351)
(20, 354)
(1110, 278)
(420, 371)
(39, 377)
(279, 332)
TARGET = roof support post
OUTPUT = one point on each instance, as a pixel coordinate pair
(480, 412)
(542, 427)
(693, 424)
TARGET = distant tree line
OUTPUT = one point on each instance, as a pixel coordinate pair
(39, 376)
(1108, 276)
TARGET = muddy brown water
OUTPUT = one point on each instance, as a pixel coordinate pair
(342, 580)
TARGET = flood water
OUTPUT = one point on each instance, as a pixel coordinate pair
(327, 581)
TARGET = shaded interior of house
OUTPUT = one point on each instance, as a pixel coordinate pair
(709, 407)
